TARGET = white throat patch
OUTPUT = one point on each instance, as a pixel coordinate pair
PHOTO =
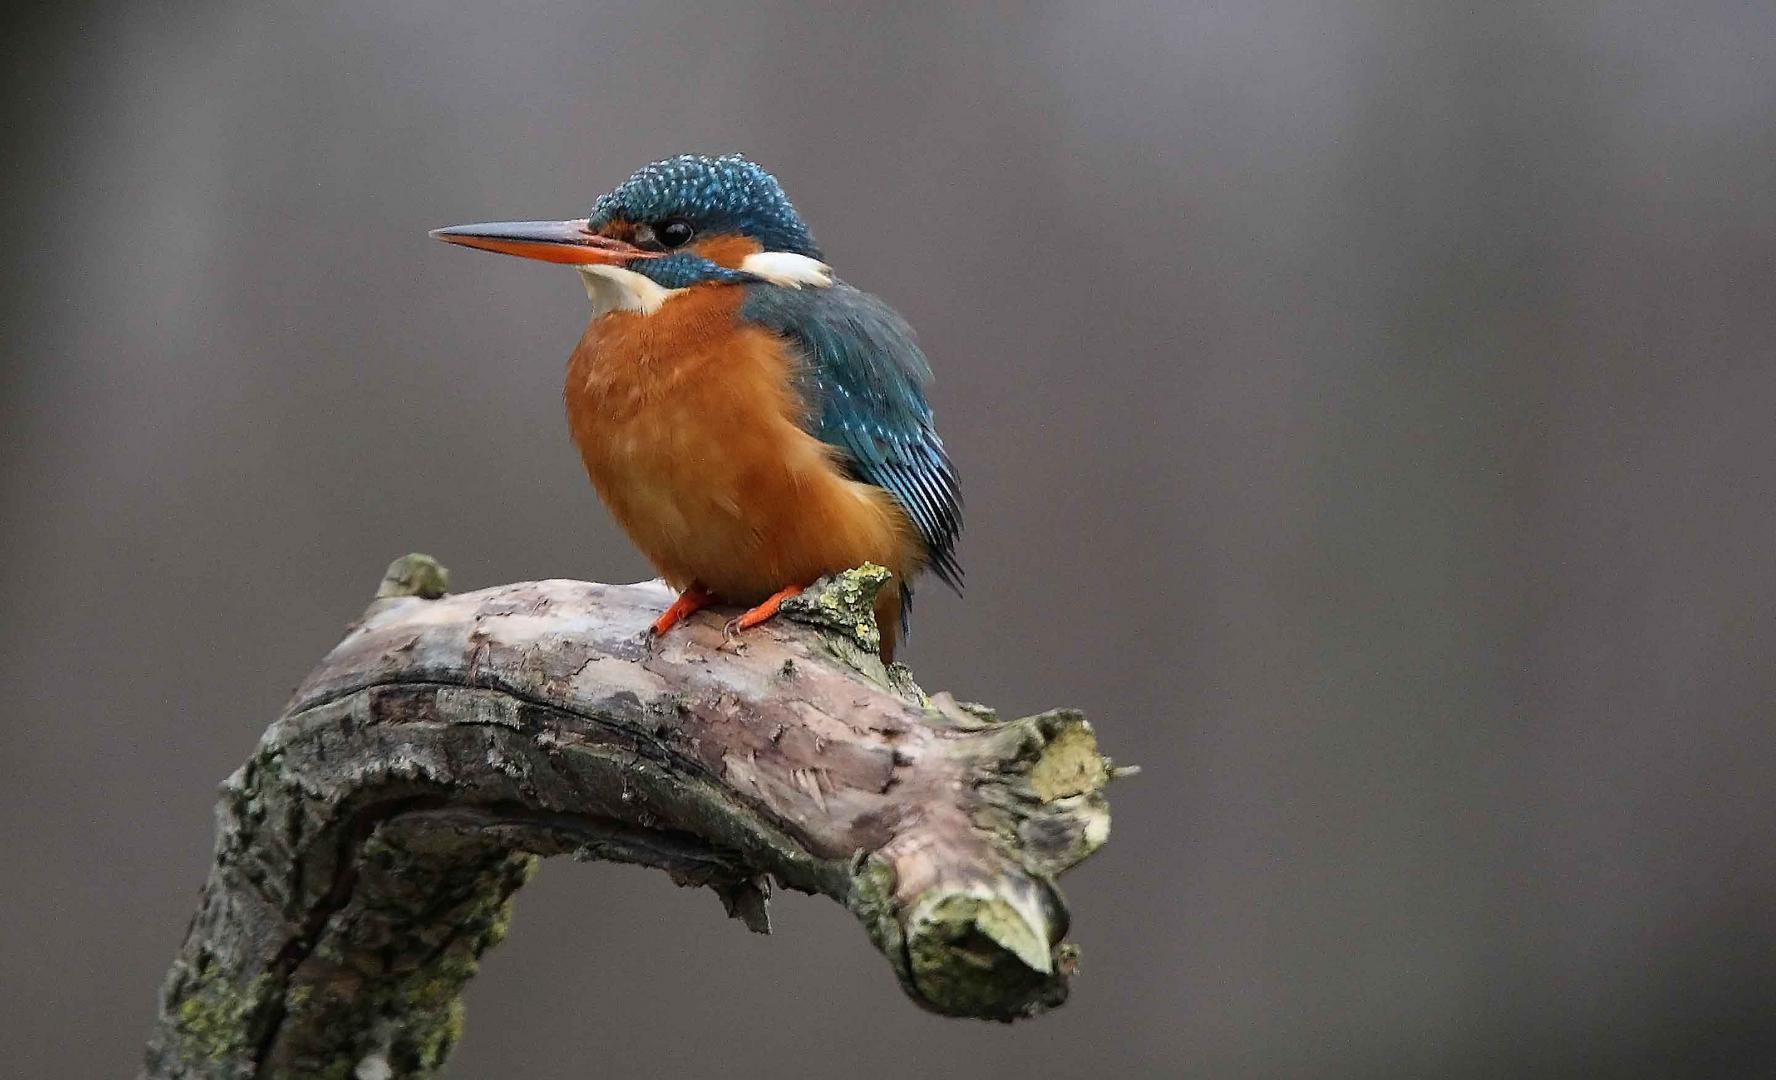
(612, 288)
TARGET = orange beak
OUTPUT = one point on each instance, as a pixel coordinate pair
(565, 242)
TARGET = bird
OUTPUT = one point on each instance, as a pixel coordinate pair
(751, 421)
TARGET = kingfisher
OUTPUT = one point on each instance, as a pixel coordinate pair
(751, 421)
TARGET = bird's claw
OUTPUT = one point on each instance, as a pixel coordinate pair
(731, 639)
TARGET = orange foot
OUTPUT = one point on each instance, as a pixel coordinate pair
(689, 602)
(763, 612)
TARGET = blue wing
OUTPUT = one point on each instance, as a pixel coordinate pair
(864, 384)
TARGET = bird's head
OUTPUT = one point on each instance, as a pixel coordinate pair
(684, 221)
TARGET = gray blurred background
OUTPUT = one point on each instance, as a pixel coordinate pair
(1365, 413)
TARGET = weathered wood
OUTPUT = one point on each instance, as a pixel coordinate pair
(368, 852)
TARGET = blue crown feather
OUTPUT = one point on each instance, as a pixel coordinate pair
(727, 194)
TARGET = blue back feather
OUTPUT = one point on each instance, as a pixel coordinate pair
(863, 379)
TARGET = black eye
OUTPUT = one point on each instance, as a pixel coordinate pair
(674, 232)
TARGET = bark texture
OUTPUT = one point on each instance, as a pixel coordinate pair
(369, 851)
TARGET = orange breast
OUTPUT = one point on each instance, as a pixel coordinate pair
(688, 426)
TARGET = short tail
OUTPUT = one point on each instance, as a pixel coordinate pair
(891, 618)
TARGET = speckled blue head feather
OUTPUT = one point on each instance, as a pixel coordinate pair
(726, 194)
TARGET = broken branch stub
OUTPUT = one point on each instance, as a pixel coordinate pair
(369, 850)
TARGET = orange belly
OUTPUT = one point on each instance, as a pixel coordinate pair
(688, 425)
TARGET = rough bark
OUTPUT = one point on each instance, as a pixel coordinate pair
(369, 850)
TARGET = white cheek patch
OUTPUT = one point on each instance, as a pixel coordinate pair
(788, 269)
(612, 288)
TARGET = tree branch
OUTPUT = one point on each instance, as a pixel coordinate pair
(368, 852)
